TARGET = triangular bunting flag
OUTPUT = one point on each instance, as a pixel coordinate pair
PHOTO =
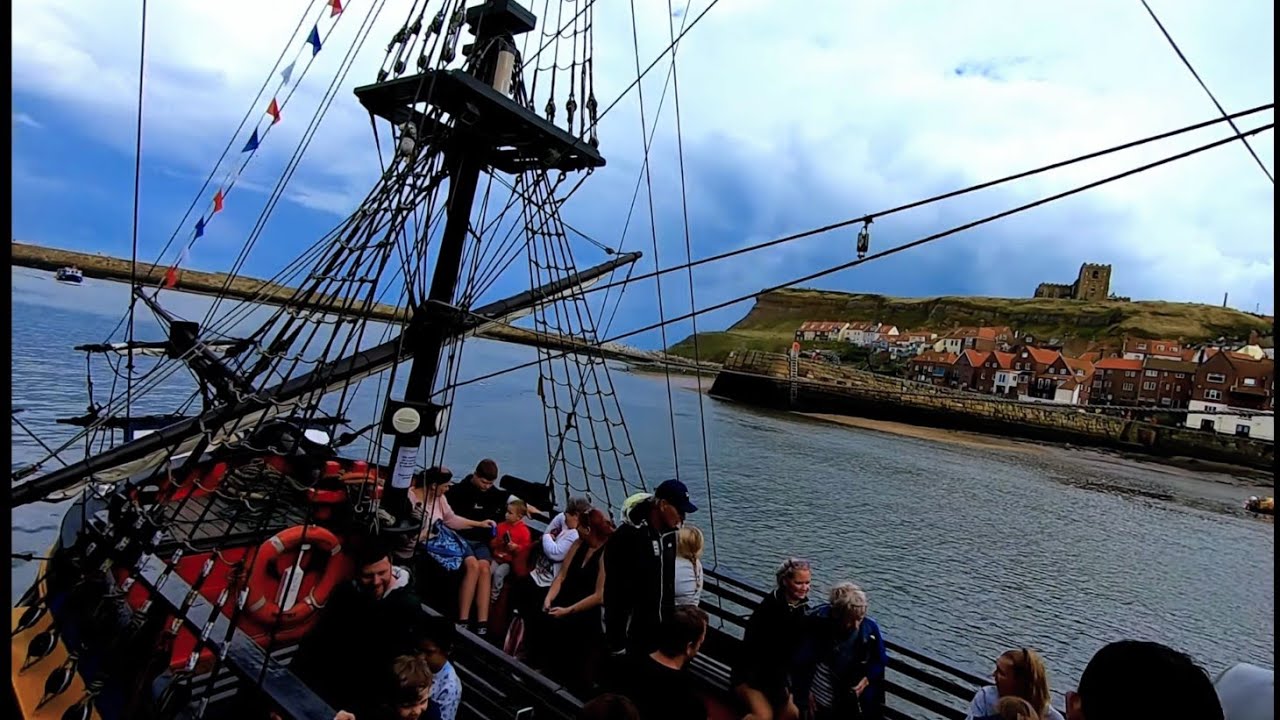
(200, 227)
(170, 278)
(253, 142)
(184, 258)
(337, 7)
(217, 201)
(274, 111)
(314, 39)
(287, 73)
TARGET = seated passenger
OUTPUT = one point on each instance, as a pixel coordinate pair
(402, 693)
(1247, 692)
(440, 525)
(761, 676)
(688, 566)
(1018, 673)
(510, 545)
(1135, 679)
(366, 623)
(641, 569)
(840, 668)
(476, 498)
(435, 642)
(657, 682)
(573, 630)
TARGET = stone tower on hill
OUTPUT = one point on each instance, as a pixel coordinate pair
(1093, 283)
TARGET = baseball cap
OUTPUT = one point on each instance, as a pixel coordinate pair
(675, 492)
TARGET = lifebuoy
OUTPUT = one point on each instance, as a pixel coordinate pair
(274, 556)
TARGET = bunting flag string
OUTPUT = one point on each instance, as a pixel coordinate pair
(274, 109)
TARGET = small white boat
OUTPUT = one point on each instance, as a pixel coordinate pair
(70, 274)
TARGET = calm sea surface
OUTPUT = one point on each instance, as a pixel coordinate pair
(965, 550)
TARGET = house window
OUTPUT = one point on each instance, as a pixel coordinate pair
(983, 376)
(1142, 346)
(1206, 424)
(1148, 386)
(1212, 395)
(1151, 373)
(1215, 378)
(1165, 401)
(1097, 384)
(1250, 382)
(1179, 376)
(1131, 373)
(1242, 430)
(1128, 386)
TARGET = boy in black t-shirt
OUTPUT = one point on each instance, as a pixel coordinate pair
(658, 683)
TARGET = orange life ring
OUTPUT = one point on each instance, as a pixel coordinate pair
(272, 556)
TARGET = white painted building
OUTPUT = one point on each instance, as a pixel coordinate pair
(1223, 419)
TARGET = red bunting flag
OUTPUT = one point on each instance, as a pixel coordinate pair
(171, 277)
(274, 111)
(217, 201)
(337, 7)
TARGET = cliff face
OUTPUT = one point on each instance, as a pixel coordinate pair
(772, 321)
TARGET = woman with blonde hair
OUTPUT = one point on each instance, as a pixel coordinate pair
(688, 586)
(1018, 673)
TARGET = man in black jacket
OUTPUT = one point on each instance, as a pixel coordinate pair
(640, 570)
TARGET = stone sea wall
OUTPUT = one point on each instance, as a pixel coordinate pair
(763, 379)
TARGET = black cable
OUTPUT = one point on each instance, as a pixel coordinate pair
(939, 198)
(1208, 92)
(137, 194)
(907, 246)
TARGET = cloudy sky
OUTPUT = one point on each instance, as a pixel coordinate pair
(793, 115)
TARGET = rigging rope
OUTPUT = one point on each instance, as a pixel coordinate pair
(938, 198)
(1205, 87)
(915, 243)
(137, 193)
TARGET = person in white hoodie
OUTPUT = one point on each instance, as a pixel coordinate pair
(1247, 692)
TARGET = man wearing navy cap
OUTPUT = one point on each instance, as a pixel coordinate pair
(640, 569)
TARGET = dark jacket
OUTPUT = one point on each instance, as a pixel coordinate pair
(473, 503)
(769, 645)
(354, 641)
(639, 584)
(851, 656)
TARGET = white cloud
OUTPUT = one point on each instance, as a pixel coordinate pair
(829, 112)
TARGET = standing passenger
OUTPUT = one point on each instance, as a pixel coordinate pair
(842, 664)
(641, 565)
(572, 606)
(760, 678)
(688, 566)
(658, 682)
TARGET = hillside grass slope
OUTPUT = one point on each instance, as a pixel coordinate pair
(771, 323)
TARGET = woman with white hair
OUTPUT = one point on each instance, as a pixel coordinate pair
(840, 668)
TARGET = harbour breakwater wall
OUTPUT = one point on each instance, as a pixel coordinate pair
(105, 267)
(764, 379)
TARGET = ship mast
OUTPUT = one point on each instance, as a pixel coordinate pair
(487, 131)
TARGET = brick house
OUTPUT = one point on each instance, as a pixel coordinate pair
(1039, 371)
(933, 367)
(1228, 381)
(1166, 383)
(1083, 372)
(1116, 381)
(969, 368)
